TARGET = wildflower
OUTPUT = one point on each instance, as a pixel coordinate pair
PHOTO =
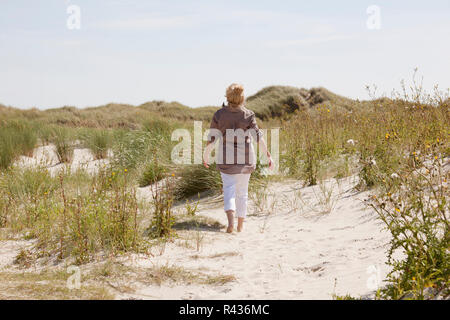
(351, 141)
(328, 110)
(387, 136)
(113, 173)
(126, 170)
(437, 140)
(435, 157)
(397, 209)
(373, 162)
(394, 176)
(414, 278)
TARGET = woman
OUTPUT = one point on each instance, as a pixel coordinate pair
(235, 126)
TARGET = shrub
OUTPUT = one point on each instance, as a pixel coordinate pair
(194, 179)
(152, 173)
(99, 141)
(63, 140)
(16, 138)
(162, 219)
(131, 148)
(414, 207)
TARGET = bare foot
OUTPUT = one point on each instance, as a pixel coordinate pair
(240, 225)
(230, 216)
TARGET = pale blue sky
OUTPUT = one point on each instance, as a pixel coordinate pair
(135, 51)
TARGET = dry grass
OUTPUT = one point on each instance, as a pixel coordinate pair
(47, 285)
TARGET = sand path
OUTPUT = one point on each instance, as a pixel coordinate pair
(292, 252)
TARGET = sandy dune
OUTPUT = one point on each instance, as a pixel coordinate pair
(47, 157)
(291, 253)
(291, 248)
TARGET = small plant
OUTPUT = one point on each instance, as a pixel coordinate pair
(99, 141)
(259, 197)
(162, 220)
(63, 141)
(152, 173)
(191, 207)
(24, 258)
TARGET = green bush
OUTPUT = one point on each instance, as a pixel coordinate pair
(16, 138)
(414, 206)
(152, 173)
(63, 139)
(194, 179)
(98, 141)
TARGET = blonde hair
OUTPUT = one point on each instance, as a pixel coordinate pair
(235, 95)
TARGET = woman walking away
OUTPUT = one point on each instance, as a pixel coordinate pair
(234, 126)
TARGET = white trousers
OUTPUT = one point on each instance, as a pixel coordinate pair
(235, 192)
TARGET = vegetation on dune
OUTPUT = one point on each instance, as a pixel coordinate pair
(99, 141)
(195, 179)
(414, 206)
(74, 218)
(282, 101)
(16, 138)
(396, 147)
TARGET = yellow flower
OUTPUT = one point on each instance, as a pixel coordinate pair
(414, 278)
(397, 209)
(173, 174)
(126, 170)
(328, 110)
(113, 173)
(435, 157)
(387, 136)
(437, 140)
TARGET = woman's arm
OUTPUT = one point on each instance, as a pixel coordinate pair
(208, 149)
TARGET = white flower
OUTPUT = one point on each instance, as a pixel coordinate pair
(394, 176)
(373, 162)
(351, 141)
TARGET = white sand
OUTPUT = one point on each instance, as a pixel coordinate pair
(47, 157)
(292, 250)
(288, 254)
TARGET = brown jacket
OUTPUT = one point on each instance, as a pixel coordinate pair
(235, 152)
